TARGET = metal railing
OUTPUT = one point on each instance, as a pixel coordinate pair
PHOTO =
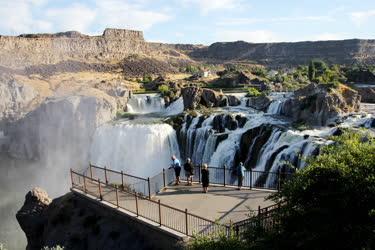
(138, 191)
(142, 206)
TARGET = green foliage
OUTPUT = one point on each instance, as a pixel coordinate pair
(259, 71)
(253, 92)
(164, 90)
(192, 69)
(360, 73)
(220, 242)
(147, 79)
(330, 203)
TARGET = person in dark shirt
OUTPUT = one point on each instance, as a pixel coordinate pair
(189, 171)
(205, 178)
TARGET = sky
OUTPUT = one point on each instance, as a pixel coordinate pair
(196, 21)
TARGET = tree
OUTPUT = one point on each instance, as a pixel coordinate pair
(331, 203)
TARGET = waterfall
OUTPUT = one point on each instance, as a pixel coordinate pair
(276, 106)
(145, 103)
(137, 149)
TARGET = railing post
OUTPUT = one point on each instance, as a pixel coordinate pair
(71, 177)
(122, 180)
(84, 184)
(199, 173)
(251, 178)
(117, 204)
(278, 180)
(224, 175)
(105, 175)
(136, 203)
(164, 177)
(186, 222)
(90, 170)
(149, 188)
(100, 190)
(159, 212)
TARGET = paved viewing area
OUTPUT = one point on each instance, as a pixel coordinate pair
(220, 203)
(184, 209)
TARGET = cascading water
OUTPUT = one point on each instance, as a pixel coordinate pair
(145, 103)
(138, 149)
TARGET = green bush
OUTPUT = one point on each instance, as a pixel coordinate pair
(253, 92)
(164, 90)
(330, 204)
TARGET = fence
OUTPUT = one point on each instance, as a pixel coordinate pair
(266, 220)
(134, 193)
(252, 179)
(179, 220)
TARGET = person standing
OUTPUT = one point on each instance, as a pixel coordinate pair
(205, 178)
(176, 165)
(240, 174)
(189, 171)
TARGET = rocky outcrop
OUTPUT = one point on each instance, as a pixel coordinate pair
(321, 104)
(31, 217)
(287, 54)
(16, 99)
(195, 96)
(259, 103)
(367, 94)
(76, 223)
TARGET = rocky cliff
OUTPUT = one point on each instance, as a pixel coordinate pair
(75, 223)
(290, 54)
(113, 45)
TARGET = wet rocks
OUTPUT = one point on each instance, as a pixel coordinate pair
(259, 103)
(195, 96)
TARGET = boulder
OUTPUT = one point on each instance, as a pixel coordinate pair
(367, 94)
(31, 216)
(191, 97)
(233, 100)
(259, 103)
(321, 104)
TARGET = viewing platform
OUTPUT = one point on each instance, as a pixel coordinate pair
(183, 211)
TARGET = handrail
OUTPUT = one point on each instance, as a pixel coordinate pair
(203, 227)
(117, 172)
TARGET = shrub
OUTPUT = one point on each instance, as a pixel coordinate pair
(164, 90)
(330, 203)
(253, 92)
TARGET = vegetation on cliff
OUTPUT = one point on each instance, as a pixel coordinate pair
(327, 205)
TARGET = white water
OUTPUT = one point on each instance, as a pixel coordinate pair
(145, 103)
(137, 149)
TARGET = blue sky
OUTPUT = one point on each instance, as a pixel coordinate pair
(196, 21)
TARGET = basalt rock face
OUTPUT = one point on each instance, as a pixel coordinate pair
(367, 94)
(114, 44)
(259, 103)
(31, 217)
(75, 223)
(195, 96)
(321, 105)
(290, 54)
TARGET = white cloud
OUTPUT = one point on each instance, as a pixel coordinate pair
(328, 36)
(206, 6)
(16, 17)
(74, 17)
(255, 36)
(247, 21)
(120, 14)
(35, 16)
(360, 17)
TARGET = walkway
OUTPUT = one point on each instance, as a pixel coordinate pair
(220, 203)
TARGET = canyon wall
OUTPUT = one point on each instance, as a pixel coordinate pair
(34, 49)
(290, 54)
